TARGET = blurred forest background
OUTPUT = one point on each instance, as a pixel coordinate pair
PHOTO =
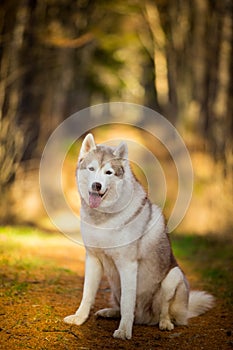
(59, 56)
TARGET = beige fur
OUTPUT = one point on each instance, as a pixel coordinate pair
(125, 238)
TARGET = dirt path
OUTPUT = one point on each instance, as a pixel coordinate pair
(39, 290)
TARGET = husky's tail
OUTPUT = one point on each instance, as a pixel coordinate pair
(199, 302)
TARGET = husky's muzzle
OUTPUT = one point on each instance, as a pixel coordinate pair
(95, 197)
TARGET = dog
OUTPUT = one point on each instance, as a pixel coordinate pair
(125, 238)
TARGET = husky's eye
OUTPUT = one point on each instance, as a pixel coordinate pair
(109, 172)
(91, 168)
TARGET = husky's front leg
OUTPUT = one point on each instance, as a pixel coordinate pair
(93, 274)
(128, 276)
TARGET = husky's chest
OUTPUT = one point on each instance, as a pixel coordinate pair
(112, 230)
(112, 259)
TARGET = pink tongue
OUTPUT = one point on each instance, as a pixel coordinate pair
(94, 200)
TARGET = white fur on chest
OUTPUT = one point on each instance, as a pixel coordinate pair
(118, 231)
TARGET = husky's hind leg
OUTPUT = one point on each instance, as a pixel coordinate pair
(108, 313)
(170, 290)
(179, 305)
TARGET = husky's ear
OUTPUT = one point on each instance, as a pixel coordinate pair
(87, 146)
(121, 151)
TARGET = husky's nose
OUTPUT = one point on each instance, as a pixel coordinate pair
(96, 186)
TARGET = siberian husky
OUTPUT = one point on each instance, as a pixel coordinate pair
(125, 238)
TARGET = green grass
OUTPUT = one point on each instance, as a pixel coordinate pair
(14, 245)
(16, 288)
(20, 265)
(211, 258)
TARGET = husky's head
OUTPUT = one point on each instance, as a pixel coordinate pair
(101, 174)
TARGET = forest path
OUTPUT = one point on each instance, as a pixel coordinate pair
(41, 283)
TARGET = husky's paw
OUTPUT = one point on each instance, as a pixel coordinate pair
(75, 319)
(122, 334)
(108, 313)
(166, 325)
